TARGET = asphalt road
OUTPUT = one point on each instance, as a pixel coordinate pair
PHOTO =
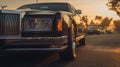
(100, 51)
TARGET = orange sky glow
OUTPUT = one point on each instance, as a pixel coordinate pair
(88, 7)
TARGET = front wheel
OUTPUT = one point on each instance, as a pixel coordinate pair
(70, 53)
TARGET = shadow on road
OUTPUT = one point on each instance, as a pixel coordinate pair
(41, 60)
(27, 60)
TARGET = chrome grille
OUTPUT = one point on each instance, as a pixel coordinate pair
(9, 24)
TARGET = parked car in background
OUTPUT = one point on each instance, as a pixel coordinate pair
(41, 27)
(93, 29)
(102, 32)
(109, 31)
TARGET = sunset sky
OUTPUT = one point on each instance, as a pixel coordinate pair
(88, 7)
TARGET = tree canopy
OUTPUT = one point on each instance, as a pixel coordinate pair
(85, 19)
(105, 22)
(117, 25)
(98, 18)
(114, 5)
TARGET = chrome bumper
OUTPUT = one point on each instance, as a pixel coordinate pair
(31, 50)
(34, 40)
(33, 44)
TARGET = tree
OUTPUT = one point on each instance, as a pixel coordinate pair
(117, 25)
(92, 22)
(105, 22)
(3, 7)
(85, 19)
(98, 18)
(114, 5)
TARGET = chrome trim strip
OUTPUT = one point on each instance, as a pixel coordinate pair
(30, 50)
(34, 49)
(10, 11)
(80, 37)
(19, 37)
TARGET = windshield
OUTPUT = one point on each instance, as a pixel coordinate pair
(47, 6)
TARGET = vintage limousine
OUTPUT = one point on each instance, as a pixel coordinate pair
(34, 28)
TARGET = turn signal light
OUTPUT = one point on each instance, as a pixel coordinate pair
(59, 25)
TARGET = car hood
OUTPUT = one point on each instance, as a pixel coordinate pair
(33, 12)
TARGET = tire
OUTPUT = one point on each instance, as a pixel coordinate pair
(82, 42)
(69, 53)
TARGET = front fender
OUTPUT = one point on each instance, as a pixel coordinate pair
(67, 20)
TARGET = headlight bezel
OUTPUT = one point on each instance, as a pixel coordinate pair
(38, 24)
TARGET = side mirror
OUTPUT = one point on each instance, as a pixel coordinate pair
(78, 12)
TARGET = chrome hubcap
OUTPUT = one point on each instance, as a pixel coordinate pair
(73, 43)
(73, 46)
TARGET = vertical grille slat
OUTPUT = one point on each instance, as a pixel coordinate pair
(9, 24)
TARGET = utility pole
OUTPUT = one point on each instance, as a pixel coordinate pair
(36, 1)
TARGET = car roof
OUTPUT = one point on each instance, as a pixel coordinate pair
(48, 3)
(45, 3)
